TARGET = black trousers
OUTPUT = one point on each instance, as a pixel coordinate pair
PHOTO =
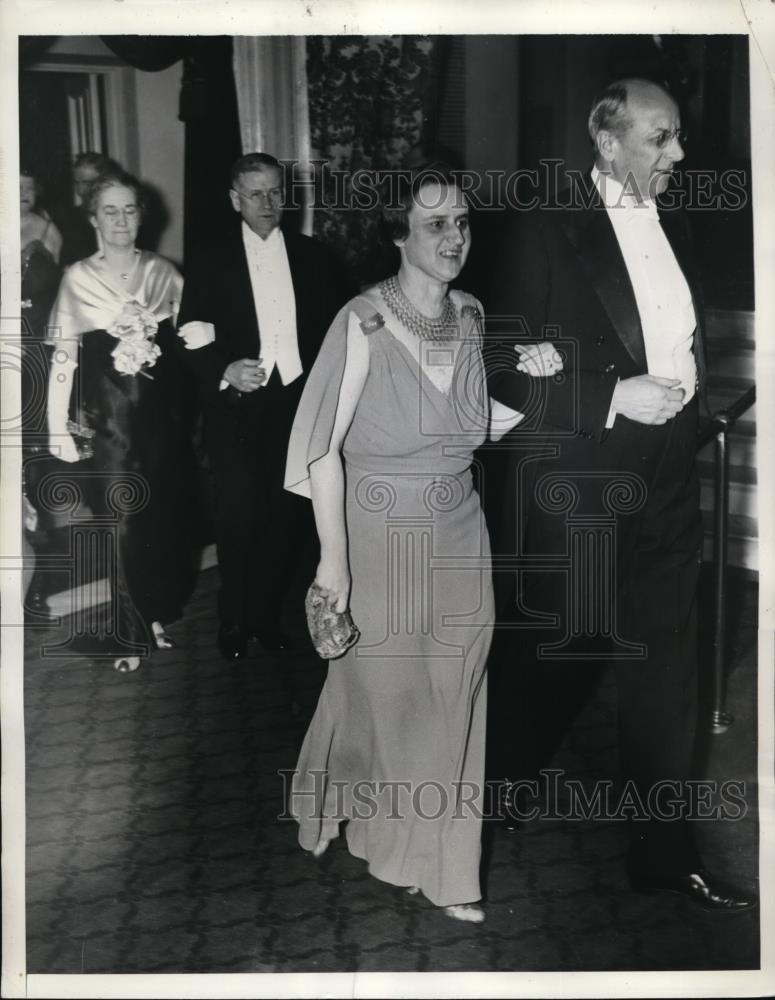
(261, 530)
(655, 560)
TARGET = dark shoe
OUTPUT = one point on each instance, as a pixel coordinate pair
(515, 805)
(232, 642)
(271, 639)
(507, 815)
(701, 888)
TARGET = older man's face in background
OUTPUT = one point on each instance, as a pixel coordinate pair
(647, 151)
(258, 197)
(82, 178)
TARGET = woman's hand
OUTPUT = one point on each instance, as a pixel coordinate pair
(62, 446)
(333, 579)
(539, 360)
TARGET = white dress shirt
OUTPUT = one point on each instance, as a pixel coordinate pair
(661, 292)
(270, 279)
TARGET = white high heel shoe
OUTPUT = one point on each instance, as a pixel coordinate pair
(469, 912)
(126, 664)
(160, 637)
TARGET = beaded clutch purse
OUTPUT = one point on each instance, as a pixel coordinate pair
(83, 436)
(332, 632)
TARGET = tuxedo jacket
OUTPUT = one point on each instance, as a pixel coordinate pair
(217, 290)
(561, 275)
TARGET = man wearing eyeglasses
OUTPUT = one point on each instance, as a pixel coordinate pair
(601, 531)
(254, 311)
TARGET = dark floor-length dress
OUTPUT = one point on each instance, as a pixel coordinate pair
(139, 483)
(40, 276)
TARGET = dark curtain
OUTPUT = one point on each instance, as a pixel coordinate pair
(208, 106)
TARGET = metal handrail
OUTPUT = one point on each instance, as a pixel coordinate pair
(720, 425)
(727, 417)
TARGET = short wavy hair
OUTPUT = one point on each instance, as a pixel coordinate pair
(401, 191)
(251, 162)
(113, 178)
(98, 161)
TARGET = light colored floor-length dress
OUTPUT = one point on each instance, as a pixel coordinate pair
(396, 745)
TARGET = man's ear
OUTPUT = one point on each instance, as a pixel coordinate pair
(234, 196)
(607, 145)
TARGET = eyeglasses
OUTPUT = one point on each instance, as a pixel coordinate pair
(273, 196)
(113, 213)
(665, 136)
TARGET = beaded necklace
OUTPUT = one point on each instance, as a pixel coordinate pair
(424, 328)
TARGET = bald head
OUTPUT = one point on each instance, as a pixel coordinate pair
(635, 126)
(613, 109)
(643, 96)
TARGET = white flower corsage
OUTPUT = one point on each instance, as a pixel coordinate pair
(134, 327)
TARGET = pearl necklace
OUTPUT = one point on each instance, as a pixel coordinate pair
(424, 328)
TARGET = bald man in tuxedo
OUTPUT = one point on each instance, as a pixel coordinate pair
(601, 472)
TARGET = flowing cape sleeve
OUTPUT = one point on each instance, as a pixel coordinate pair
(314, 423)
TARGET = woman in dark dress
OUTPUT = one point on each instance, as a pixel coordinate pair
(40, 274)
(114, 317)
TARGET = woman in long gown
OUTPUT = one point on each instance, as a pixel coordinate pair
(40, 242)
(40, 275)
(114, 317)
(396, 745)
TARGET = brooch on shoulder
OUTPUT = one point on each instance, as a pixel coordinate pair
(372, 324)
(472, 314)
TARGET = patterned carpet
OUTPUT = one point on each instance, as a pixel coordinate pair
(154, 844)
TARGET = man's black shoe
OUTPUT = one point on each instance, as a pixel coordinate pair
(232, 642)
(701, 888)
(271, 639)
(516, 805)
